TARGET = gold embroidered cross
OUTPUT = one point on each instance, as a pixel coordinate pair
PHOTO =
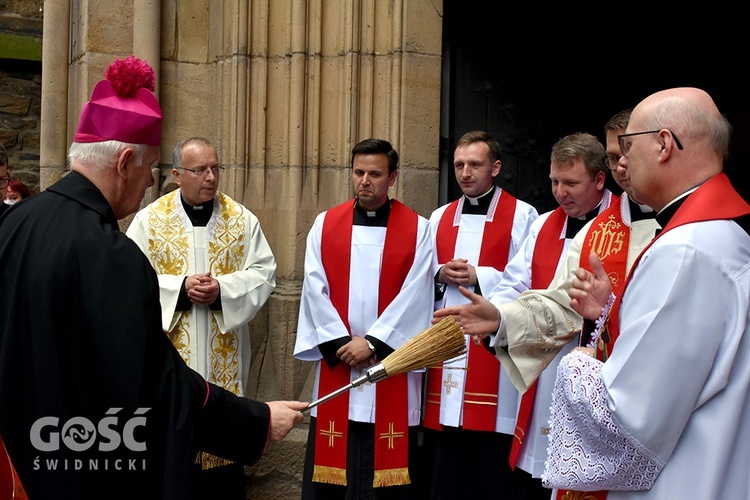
(390, 435)
(449, 384)
(331, 433)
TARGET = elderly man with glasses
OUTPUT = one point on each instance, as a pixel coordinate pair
(216, 270)
(673, 390)
(531, 333)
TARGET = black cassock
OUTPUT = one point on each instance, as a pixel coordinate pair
(95, 402)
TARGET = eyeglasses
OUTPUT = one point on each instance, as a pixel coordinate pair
(4, 182)
(611, 161)
(626, 145)
(200, 172)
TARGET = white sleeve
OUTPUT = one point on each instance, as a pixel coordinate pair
(319, 322)
(588, 449)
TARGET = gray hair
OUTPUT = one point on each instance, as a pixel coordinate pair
(102, 154)
(688, 120)
(177, 151)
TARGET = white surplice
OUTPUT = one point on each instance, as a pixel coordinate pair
(407, 315)
(668, 412)
(468, 246)
(517, 280)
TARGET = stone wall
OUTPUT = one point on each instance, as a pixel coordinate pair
(284, 89)
(21, 87)
(20, 115)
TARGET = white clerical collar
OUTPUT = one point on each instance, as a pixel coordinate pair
(475, 201)
(644, 208)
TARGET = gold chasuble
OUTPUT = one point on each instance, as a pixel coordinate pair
(171, 252)
(175, 248)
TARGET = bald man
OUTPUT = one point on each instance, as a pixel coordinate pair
(674, 390)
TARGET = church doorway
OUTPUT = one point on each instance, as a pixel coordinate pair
(529, 82)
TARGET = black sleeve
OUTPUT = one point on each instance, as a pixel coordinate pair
(488, 346)
(439, 287)
(586, 330)
(216, 304)
(233, 427)
(381, 348)
(328, 349)
(183, 302)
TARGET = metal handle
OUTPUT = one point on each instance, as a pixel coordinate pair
(373, 374)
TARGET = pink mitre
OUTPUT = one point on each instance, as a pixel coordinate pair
(123, 106)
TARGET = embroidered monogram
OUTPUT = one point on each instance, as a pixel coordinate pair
(608, 239)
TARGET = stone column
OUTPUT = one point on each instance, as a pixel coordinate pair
(284, 89)
(54, 140)
(146, 46)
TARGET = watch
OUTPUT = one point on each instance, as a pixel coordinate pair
(370, 346)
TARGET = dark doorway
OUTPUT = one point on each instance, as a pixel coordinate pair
(529, 82)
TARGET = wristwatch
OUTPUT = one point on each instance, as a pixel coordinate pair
(370, 346)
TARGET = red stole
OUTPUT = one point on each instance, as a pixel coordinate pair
(10, 483)
(547, 250)
(391, 395)
(609, 238)
(483, 369)
(715, 199)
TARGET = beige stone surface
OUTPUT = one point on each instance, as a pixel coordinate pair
(189, 103)
(284, 89)
(26, 8)
(416, 188)
(108, 27)
(192, 35)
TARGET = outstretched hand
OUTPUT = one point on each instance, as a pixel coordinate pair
(284, 416)
(590, 290)
(478, 318)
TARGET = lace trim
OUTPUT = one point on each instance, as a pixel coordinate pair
(601, 321)
(490, 211)
(588, 449)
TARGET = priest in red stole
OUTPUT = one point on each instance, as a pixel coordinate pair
(367, 290)
(665, 414)
(470, 403)
(577, 175)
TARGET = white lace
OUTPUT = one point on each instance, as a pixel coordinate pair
(601, 321)
(588, 449)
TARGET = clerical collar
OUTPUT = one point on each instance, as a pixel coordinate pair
(379, 217)
(639, 211)
(575, 224)
(480, 204)
(666, 213)
(199, 214)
